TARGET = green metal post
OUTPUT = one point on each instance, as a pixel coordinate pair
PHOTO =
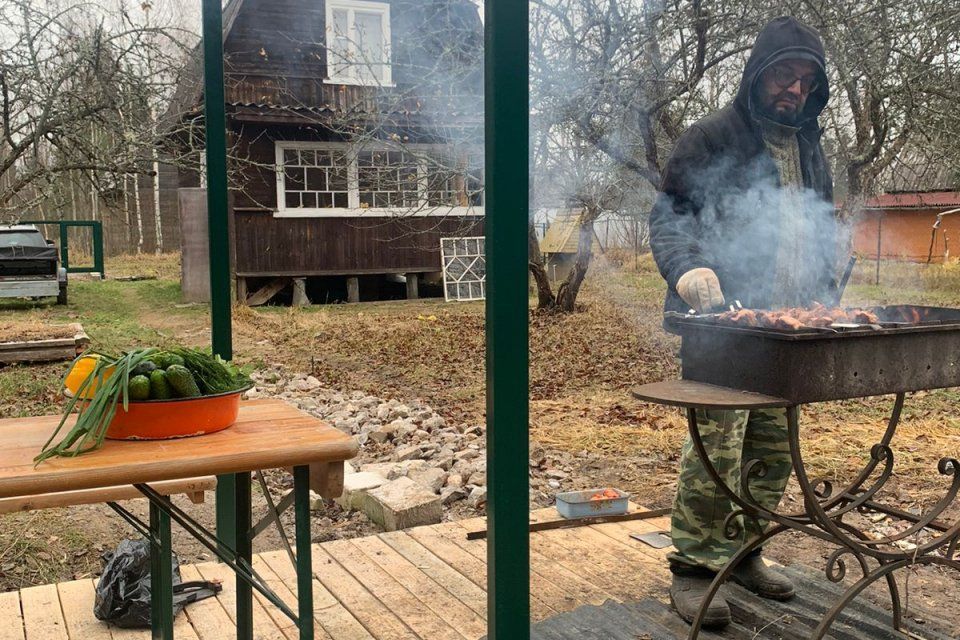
(98, 248)
(507, 182)
(244, 557)
(301, 489)
(64, 247)
(161, 576)
(216, 142)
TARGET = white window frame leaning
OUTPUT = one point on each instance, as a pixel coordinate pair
(354, 210)
(370, 7)
(449, 253)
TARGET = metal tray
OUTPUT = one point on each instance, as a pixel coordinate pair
(577, 504)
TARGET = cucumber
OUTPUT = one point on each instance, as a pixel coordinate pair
(159, 387)
(165, 359)
(139, 388)
(182, 382)
(143, 369)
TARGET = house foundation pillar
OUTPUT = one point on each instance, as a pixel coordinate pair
(300, 298)
(413, 286)
(353, 289)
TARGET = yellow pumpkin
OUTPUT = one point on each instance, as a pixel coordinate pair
(81, 370)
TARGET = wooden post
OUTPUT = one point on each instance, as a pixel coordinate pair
(241, 290)
(413, 289)
(300, 298)
(353, 289)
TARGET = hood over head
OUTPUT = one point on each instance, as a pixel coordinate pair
(785, 38)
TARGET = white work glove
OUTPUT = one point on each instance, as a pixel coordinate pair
(700, 288)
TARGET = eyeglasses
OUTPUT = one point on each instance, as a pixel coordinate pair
(785, 78)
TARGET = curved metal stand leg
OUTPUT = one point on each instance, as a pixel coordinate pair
(896, 605)
(887, 571)
(724, 574)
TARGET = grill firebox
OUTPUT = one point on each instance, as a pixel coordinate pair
(914, 348)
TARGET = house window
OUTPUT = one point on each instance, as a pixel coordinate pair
(358, 42)
(317, 178)
(388, 179)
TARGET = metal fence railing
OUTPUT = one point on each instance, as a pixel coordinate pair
(96, 229)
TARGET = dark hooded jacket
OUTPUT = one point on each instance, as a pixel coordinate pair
(715, 207)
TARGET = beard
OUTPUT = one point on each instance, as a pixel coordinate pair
(767, 107)
(787, 116)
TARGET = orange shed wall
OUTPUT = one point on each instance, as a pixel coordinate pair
(905, 235)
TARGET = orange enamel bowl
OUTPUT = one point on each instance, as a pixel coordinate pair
(176, 418)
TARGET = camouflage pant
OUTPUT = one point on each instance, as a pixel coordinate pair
(731, 438)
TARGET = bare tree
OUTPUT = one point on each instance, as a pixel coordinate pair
(628, 78)
(78, 85)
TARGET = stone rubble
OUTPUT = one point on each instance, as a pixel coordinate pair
(443, 465)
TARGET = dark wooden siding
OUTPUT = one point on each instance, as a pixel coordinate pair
(275, 54)
(328, 246)
(255, 167)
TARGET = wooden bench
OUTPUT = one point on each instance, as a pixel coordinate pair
(193, 488)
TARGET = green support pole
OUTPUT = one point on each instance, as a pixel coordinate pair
(301, 489)
(244, 557)
(216, 141)
(161, 576)
(98, 249)
(507, 182)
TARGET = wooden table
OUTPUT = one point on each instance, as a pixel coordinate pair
(268, 434)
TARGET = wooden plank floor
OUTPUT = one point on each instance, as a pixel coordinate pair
(425, 583)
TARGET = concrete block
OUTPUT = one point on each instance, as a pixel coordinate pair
(401, 504)
(355, 485)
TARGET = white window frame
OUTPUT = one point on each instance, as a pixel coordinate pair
(350, 6)
(449, 253)
(354, 209)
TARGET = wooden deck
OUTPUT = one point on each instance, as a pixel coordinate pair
(427, 583)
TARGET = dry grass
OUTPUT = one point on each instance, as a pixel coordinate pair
(33, 329)
(163, 266)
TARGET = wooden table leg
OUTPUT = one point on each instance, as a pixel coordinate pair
(161, 576)
(244, 556)
(301, 488)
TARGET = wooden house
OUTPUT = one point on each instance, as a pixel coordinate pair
(355, 135)
(910, 225)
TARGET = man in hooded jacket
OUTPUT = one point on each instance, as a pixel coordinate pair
(745, 213)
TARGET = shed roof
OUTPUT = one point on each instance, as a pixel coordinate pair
(914, 200)
(561, 235)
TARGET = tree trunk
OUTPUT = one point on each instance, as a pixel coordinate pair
(570, 287)
(156, 187)
(545, 298)
(139, 211)
(126, 210)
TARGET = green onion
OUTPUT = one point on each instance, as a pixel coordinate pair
(96, 413)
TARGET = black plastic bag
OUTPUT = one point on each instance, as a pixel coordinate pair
(123, 592)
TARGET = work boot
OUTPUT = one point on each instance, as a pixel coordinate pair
(686, 596)
(754, 575)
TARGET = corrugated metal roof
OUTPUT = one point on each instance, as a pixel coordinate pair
(914, 200)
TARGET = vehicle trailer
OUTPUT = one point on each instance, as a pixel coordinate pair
(30, 265)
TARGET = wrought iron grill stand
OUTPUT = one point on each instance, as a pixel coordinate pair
(824, 507)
